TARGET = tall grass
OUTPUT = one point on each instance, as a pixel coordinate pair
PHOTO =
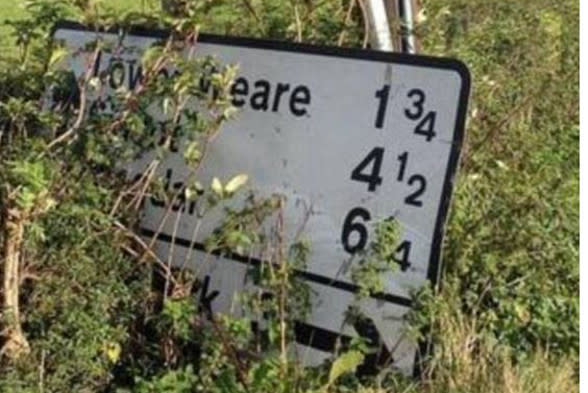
(467, 361)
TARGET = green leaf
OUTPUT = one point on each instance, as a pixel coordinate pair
(217, 187)
(346, 363)
(192, 154)
(235, 183)
(57, 56)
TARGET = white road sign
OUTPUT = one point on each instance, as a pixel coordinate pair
(350, 138)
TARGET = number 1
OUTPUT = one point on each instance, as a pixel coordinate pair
(382, 95)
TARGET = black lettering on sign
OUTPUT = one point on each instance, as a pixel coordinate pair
(260, 99)
(135, 75)
(328, 341)
(355, 223)
(206, 298)
(381, 356)
(262, 96)
(179, 189)
(116, 73)
(427, 126)
(402, 255)
(403, 158)
(420, 180)
(382, 95)
(416, 111)
(281, 89)
(240, 88)
(319, 338)
(413, 199)
(300, 95)
(372, 178)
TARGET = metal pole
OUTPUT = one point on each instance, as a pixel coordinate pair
(379, 27)
(406, 14)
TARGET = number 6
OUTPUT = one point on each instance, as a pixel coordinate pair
(349, 227)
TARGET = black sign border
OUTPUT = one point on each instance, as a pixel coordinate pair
(435, 267)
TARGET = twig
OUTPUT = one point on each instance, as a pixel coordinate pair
(147, 250)
(347, 19)
(298, 24)
(366, 25)
(170, 254)
(250, 8)
(195, 231)
(139, 197)
(82, 110)
(130, 189)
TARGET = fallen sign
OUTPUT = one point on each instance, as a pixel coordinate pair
(350, 138)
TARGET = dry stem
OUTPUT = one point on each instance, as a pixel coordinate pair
(15, 343)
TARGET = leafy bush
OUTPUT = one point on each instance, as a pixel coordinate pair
(99, 312)
(512, 246)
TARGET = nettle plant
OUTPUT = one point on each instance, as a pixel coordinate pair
(88, 305)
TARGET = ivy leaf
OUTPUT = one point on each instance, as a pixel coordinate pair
(217, 187)
(235, 183)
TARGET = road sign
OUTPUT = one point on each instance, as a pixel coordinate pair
(350, 138)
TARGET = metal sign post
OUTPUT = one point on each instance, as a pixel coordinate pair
(380, 34)
(403, 11)
(406, 13)
(350, 138)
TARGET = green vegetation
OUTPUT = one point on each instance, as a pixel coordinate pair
(87, 307)
(512, 254)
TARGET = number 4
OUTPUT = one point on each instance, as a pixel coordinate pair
(373, 178)
(426, 127)
(402, 260)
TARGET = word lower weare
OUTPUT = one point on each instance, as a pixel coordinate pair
(259, 95)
